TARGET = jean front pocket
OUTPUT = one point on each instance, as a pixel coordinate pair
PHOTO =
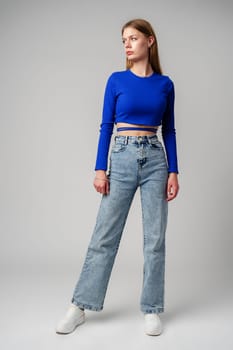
(118, 147)
(157, 145)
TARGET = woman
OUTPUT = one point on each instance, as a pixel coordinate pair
(138, 100)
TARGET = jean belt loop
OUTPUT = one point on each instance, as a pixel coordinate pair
(126, 140)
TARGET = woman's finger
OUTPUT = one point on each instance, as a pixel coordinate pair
(101, 186)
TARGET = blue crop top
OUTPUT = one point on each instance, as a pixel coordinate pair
(132, 99)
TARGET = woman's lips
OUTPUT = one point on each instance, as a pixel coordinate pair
(129, 52)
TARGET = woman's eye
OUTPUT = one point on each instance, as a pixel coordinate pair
(124, 40)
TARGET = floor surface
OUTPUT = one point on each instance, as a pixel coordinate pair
(32, 303)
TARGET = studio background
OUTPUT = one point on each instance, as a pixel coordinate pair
(55, 59)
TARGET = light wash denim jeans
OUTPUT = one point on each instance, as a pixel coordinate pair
(135, 161)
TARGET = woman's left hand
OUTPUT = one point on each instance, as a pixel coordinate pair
(172, 186)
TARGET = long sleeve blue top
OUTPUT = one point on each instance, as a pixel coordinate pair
(132, 99)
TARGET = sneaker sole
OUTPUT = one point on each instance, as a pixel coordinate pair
(78, 324)
(153, 333)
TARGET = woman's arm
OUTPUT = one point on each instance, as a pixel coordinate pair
(169, 138)
(169, 131)
(101, 182)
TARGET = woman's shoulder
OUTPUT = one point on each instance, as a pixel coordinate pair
(167, 80)
(118, 74)
(116, 77)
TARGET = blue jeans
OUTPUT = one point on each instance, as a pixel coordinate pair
(135, 161)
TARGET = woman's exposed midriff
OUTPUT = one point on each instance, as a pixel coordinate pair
(135, 129)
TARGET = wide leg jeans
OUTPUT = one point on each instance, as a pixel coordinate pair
(135, 162)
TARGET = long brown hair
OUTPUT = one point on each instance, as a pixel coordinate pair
(145, 27)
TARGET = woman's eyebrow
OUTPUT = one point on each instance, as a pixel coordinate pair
(129, 36)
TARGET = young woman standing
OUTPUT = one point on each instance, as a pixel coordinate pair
(137, 100)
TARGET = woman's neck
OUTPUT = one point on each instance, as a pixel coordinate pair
(143, 69)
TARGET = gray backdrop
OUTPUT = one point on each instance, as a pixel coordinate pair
(55, 59)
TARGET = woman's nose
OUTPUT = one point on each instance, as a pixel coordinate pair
(127, 43)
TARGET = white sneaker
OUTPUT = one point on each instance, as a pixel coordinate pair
(73, 318)
(153, 325)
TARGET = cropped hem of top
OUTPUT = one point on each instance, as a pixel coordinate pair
(132, 99)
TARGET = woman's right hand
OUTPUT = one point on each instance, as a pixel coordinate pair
(101, 182)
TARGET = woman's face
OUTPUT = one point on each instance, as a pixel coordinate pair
(136, 44)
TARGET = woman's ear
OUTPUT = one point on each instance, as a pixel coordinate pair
(151, 41)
